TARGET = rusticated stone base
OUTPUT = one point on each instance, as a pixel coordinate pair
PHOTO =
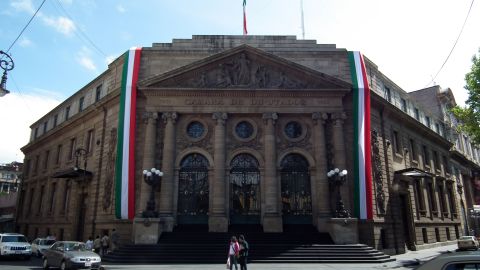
(272, 223)
(217, 223)
(147, 230)
(343, 230)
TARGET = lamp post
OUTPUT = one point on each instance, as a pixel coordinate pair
(152, 178)
(337, 178)
(6, 63)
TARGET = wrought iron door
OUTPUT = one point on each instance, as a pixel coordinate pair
(193, 190)
(244, 189)
(296, 190)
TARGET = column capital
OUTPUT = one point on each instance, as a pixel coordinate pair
(149, 115)
(339, 118)
(270, 115)
(169, 116)
(221, 117)
(319, 117)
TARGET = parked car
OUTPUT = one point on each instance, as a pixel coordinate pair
(453, 261)
(467, 242)
(15, 245)
(70, 255)
(40, 244)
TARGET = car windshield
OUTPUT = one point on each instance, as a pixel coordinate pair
(14, 238)
(75, 247)
(47, 242)
(466, 238)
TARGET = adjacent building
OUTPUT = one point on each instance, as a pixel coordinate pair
(10, 175)
(245, 130)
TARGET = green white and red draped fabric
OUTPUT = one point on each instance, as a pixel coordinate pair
(245, 32)
(125, 163)
(362, 145)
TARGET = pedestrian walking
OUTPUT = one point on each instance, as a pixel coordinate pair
(114, 240)
(89, 243)
(243, 252)
(105, 244)
(97, 244)
(233, 251)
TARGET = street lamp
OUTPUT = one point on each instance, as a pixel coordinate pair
(7, 65)
(152, 178)
(337, 178)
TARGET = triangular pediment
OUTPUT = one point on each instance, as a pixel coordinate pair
(244, 67)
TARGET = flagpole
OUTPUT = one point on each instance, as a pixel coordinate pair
(303, 23)
(245, 32)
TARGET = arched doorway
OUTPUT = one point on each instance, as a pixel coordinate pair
(244, 190)
(193, 190)
(296, 190)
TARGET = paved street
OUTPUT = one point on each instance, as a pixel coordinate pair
(404, 261)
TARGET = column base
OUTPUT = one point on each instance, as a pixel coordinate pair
(217, 223)
(272, 223)
(147, 230)
(343, 230)
(168, 222)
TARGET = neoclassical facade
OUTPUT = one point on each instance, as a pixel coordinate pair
(245, 130)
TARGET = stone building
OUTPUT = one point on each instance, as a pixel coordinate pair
(245, 130)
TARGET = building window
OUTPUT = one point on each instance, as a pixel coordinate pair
(417, 114)
(420, 202)
(244, 130)
(396, 142)
(195, 130)
(446, 166)
(90, 141)
(388, 94)
(437, 234)
(35, 165)
(30, 202)
(404, 105)
(66, 196)
(427, 121)
(52, 197)
(67, 112)
(425, 235)
(431, 199)
(293, 129)
(436, 162)
(59, 154)
(451, 200)
(437, 128)
(413, 150)
(71, 151)
(426, 157)
(45, 126)
(42, 190)
(80, 104)
(47, 157)
(27, 167)
(443, 203)
(98, 93)
(35, 133)
(55, 120)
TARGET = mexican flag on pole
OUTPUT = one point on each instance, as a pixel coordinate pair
(363, 196)
(125, 163)
(244, 17)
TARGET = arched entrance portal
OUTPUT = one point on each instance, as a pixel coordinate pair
(296, 190)
(193, 190)
(244, 190)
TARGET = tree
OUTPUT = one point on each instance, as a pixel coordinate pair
(469, 116)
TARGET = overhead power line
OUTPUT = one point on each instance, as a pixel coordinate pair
(31, 19)
(455, 44)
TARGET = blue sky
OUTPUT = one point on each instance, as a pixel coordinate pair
(409, 41)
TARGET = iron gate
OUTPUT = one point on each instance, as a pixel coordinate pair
(244, 190)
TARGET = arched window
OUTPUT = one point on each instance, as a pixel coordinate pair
(193, 187)
(296, 190)
(244, 185)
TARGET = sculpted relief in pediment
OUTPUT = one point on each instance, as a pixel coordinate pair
(242, 71)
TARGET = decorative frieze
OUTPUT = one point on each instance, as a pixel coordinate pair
(377, 173)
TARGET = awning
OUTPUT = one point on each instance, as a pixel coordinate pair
(73, 173)
(414, 172)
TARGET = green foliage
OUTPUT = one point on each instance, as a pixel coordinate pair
(469, 115)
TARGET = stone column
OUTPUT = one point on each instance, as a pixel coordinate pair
(272, 220)
(322, 192)
(217, 221)
(168, 168)
(339, 155)
(148, 158)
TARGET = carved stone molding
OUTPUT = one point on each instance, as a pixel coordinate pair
(169, 116)
(110, 169)
(319, 117)
(221, 117)
(377, 173)
(269, 115)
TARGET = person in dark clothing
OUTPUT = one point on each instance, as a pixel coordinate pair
(243, 252)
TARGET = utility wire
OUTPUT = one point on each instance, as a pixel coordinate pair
(31, 19)
(455, 44)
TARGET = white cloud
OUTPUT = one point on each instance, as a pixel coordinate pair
(25, 42)
(23, 5)
(85, 60)
(62, 24)
(109, 59)
(68, 2)
(121, 9)
(18, 113)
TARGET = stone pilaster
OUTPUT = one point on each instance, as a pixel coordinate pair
(148, 157)
(218, 221)
(339, 154)
(322, 194)
(168, 168)
(272, 220)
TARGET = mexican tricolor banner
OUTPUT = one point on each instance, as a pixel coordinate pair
(125, 163)
(362, 145)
